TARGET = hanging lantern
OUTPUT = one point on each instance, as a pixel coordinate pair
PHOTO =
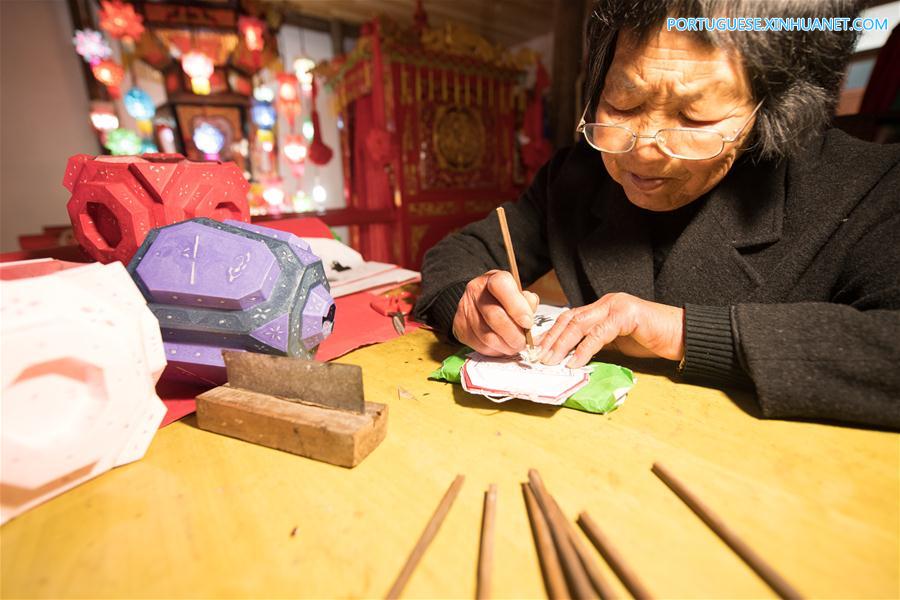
(123, 142)
(266, 139)
(199, 67)
(110, 74)
(139, 104)
(103, 118)
(295, 149)
(209, 140)
(307, 129)
(273, 195)
(119, 20)
(91, 46)
(252, 30)
(263, 94)
(287, 89)
(319, 195)
(302, 69)
(263, 114)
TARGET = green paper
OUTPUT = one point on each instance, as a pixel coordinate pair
(598, 396)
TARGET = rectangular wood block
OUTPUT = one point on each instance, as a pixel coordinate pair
(332, 436)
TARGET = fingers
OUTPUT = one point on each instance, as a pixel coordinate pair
(533, 300)
(502, 286)
(578, 324)
(597, 337)
(492, 314)
(497, 321)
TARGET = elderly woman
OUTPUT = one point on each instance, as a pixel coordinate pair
(706, 217)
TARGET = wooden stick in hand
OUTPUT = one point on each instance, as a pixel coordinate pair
(714, 522)
(427, 535)
(511, 256)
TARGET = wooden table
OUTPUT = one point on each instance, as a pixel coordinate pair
(204, 515)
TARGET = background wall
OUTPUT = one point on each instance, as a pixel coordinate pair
(43, 115)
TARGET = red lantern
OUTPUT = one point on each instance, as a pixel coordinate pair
(110, 74)
(252, 30)
(288, 96)
(120, 21)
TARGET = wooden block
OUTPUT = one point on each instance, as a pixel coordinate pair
(332, 436)
(330, 385)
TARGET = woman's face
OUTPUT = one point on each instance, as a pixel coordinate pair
(672, 80)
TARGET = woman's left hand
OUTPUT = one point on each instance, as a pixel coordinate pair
(633, 326)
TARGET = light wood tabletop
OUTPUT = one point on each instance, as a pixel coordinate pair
(202, 515)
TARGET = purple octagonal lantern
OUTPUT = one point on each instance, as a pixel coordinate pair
(231, 285)
(187, 266)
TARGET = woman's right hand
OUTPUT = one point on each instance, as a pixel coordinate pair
(492, 315)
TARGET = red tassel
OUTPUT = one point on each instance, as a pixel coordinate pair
(319, 153)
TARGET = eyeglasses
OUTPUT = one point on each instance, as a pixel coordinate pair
(683, 143)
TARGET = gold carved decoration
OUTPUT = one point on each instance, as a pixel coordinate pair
(458, 138)
(433, 208)
(460, 40)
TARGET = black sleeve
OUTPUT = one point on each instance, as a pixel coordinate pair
(837, 360)
(478, 248)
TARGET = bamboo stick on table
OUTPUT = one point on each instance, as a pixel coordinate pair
(486, 551)
(427, 536)
(587, 559)
(580, 584)
(511, 257)
(714, 522)
(554, 579)
(626, 575)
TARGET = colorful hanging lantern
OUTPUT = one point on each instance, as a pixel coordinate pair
(199, 67)
(273, 195)
(209, 140)
(110, 74)
(103, 117)
(319, 195)
(307, 129)
(266, 139)
(303, 70)
(263, 94)
(119, 20)
(91, 46)
(263, 114)
(139, 104)
(252, 30)
(295, 149)
(287, 89)
(123, 142)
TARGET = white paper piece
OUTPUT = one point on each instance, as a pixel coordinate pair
(348, 273)
(394, 275)
(503, 378)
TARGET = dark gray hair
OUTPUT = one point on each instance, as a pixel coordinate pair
(797, 73)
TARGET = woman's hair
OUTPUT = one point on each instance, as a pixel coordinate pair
(797, 73)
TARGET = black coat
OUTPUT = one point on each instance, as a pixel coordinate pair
(803, 257)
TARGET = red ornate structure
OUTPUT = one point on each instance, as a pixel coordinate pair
(428, 121)
(116, 201)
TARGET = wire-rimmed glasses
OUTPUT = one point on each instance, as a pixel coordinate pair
(677, 142)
